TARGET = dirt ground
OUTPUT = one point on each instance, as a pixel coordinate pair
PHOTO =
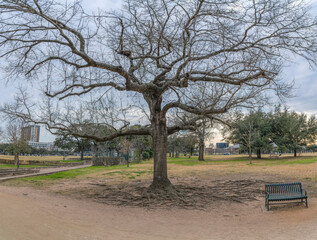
(29, 214)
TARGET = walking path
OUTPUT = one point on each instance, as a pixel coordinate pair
(44, 171)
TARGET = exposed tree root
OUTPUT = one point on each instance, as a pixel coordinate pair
(195, 194)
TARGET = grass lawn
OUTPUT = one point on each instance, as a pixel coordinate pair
(219, 159)
(303, 167)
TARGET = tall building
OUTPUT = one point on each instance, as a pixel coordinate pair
(31, 133)
(222, 145)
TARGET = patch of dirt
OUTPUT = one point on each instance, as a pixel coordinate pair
(189, 193)
(192, 192)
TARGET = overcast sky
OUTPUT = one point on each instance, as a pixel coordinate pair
(305, 78)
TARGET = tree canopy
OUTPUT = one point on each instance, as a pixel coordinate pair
(293, 130)
(284, 129)
(253, 131)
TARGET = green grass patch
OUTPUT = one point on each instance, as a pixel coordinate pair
(71, 174)
(141, 172)
(115, 172)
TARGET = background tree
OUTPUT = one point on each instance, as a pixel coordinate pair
(182, 142)
(17, 145)
(175, 145)
(142, 146)
(189, 141)
(204, 133)
(3, 146)
(293, 130)
(66, 143)
(312, 148)
(70, 143)
(126, 146)
(155, 54)
(252, 131)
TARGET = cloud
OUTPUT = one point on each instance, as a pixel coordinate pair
(93, 5)
(305, 79)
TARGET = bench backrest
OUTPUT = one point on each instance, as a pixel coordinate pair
(283, 188)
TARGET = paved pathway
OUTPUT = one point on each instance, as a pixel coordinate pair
(44, 171)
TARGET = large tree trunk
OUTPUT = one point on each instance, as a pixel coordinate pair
(159, 137)
(258, 153)
(201, 149)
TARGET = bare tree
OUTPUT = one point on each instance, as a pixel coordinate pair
(126, 146)
(203, 132)
(17, 144)
(153, 54)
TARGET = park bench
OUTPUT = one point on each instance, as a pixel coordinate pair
(284, 192)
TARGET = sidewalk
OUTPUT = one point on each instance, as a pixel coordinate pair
(44, 171)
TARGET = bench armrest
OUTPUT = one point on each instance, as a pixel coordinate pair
(305, 192)
(267, 194)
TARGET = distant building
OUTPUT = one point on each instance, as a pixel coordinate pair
(42, 145)
(31, 133)
(222, 148)
(222, 145)
(236, 146)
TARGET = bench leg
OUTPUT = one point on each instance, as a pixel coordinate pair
(306, 203)
(268, 206)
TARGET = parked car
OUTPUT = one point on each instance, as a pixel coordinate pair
(227, 154)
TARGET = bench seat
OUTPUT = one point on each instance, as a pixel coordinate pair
(284, 192)
(278, 197)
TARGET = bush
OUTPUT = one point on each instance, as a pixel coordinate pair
(150, 153)
(145, 155)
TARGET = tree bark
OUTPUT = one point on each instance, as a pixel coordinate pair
(249, 143)
(201, 149)
(295, 153)
(81, 153)
(16, 160)
(258, 153)
(250, 154)
(159, 138)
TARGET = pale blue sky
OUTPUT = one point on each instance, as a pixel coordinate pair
(305, 78)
